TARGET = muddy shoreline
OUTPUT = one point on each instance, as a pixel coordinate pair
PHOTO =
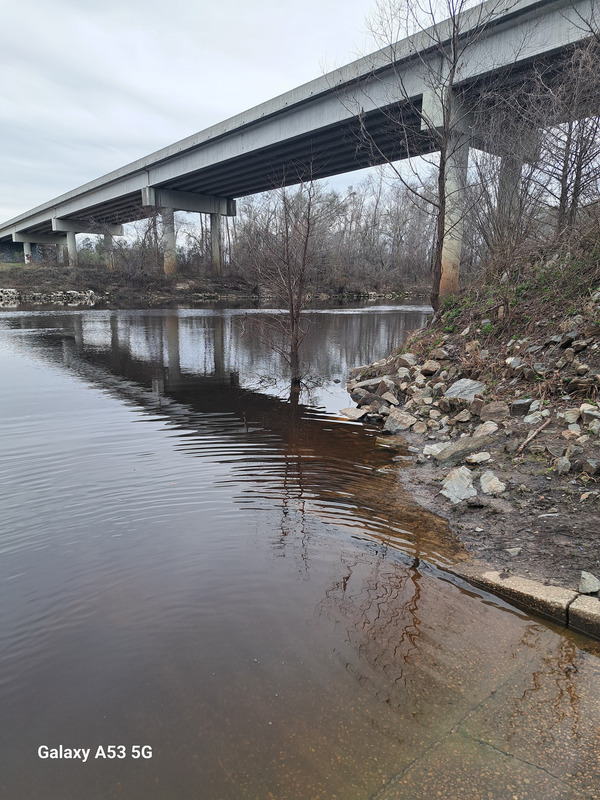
(502, 440)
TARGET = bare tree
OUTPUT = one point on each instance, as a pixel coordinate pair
(283, 240)
(543, 168)
(441, 113)
(436, 40)
(570, 167)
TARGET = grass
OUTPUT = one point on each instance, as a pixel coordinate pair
(7, 266)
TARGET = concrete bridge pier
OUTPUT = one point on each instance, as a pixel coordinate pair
(109, 252)
(169, 200)
(29, 239)
(525, 143)
(457, 137)
(71, 227)
(457, 163)
(215, 243)
(72, 248)
(507, 202)
(169, 241)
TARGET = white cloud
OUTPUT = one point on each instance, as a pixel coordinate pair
(89, 86)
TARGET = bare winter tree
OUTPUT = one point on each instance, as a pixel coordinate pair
(283, 233)
(570, 167)
(439, 38)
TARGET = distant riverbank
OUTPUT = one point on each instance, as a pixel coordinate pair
(28, 286)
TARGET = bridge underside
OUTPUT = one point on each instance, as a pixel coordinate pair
(390, 134)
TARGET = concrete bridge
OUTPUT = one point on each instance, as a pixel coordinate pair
(318, 130)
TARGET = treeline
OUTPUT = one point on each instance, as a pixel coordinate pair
(371, 236)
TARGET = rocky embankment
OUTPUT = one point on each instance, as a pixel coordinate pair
(502, 437)
(14, 298)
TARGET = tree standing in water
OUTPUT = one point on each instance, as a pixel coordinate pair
(284, 241)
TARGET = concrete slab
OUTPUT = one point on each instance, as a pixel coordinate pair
(460, 768)
(584, 615)
(534, 736)
(548, 717)
(547, 601)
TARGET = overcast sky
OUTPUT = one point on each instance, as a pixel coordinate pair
(89, 86)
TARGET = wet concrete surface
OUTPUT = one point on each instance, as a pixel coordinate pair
(535, 736)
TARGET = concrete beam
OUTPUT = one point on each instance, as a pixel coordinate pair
(81, 226)
(187, 201)
(38, 238)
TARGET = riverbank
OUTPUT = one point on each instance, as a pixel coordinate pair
(542, 526)
(494, 412)
(32, 285)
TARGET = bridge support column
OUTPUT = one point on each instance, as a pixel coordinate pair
(72, 248)
(60, 254)
(109, 252)
(509, 183)
(456, 182)
(27, 252)
(215, 243)
(169, 247)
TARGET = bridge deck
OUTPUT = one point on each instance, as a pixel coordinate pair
(314, 130)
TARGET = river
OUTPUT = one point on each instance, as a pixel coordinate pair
(233, 592)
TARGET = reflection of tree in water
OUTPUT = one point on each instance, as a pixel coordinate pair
(380, 611)
(293, 524)
(552, 689)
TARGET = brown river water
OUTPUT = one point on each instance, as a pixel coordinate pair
(220, 594)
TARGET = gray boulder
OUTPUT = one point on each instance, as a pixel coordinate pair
(478, 458)
(563, 465)
(354, 413)
(519, 408)
(485, 429)
(430, 367)
(398, 421)
(571, 415)
(406, 360)
(589, 413)
(434, 449)
(494, 411)
(589, 584)
(458, 485)
(464, 389)
(490, 484)
(459, 448)
(533, 419)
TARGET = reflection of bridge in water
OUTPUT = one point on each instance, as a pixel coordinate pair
(308, 455)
